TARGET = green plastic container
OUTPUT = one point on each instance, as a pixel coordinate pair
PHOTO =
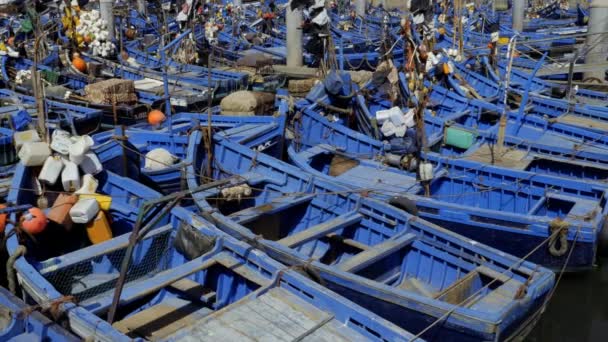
(50, 76)
(459, 138)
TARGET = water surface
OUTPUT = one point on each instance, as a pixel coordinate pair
(578, 311)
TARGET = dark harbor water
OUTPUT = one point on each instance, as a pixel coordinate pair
(578, 311)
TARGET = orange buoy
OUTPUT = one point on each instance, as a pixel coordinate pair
(88, 39)
(79, 64)
(156, 117)
(34, 221)
(2, 219)
(11, 41)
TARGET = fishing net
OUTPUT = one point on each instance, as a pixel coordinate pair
(98, 273)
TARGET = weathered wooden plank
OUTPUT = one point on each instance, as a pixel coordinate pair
(274, 206)
(375, 253)
(322, 229)
(277, 315)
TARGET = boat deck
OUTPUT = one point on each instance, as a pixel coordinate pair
(276, 315)
(513, 159)
(579, 121)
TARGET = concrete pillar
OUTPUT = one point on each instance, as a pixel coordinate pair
(597, 43)
(294, 37)
(106, 9)
(518, 10)
(360, 7)
(142, 7)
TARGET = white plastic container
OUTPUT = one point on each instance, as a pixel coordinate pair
(60, 141)
(426, 171)
(91, 164)
(84, 210)
(79, 147)
(24, 137)
(70, 177)
(51, 170)
(158, 159)
(34, 153)
(89, 185)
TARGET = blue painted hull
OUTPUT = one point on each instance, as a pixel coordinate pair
(512, 233)
(179, 251)
(371, 284)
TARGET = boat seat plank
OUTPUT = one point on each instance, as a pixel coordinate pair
(417, 286)
(239, 268)
(139, 288)
(322, 229)
(276, 315)
(193, 290)
(351, 242)
(498, 298)
(488, 272)
(275, 205)
(376, 253)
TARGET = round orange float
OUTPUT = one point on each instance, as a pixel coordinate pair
(34, 221)
(79, 64)
(156, 117)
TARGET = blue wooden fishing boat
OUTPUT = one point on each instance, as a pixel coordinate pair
(262, 133)
(576, 123)
(59, 115)
(72, 85)
(184, 122)
(405, 269)
(21, 322)
(521, 78)
(185, 280)
(467, 195)
(221, 82)
(481, 124)
(541, 101)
